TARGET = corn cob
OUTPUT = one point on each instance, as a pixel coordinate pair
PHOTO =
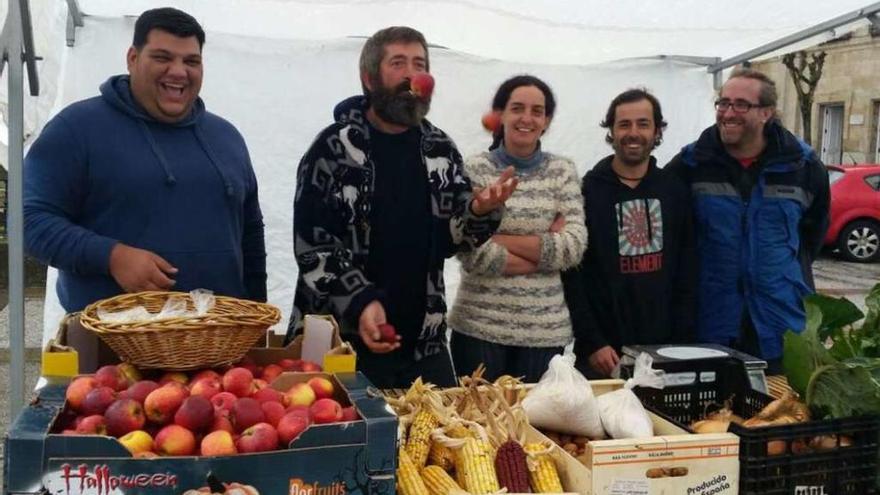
(511, 467)
(438, 481)
(542, 474)
(408, 480)
(474, 467)
(418, 442)
(442, 456)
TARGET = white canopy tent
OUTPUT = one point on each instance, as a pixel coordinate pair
(276, 68)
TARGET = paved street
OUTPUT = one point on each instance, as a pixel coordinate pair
(840, 278)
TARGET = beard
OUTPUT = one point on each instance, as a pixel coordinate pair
(629, 157)
(398, 105)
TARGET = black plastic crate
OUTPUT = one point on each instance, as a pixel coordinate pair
(799, 469)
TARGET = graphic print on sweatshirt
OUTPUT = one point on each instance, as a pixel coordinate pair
(640, 235)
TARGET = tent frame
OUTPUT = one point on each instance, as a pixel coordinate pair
(17, 38)
(17, 46)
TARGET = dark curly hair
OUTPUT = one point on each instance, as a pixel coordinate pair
(632, 96)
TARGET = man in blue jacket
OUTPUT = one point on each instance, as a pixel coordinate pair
(761, 200)
(141, 188)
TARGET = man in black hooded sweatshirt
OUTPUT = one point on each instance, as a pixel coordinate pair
(636, 282)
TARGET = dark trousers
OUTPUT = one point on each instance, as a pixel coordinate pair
(748, 343)
(399, 369)
(527, 362)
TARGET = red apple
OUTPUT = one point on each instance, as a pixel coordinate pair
(163, 402)
(349, 414)
(322, 387)
(238, 381)
(422, 85)
(300, 411)
(260, 437)
(257, 385)
(206, 387)
(492, 121)
(207, 373)
(218, 443)
(174, 376)
(97, 400)
(311, 367)
(223, 401)
(124, 416)
(195, 414)
(78, 389)
(175, 440)
(273, 412)
(290, 364)
(139, 390)
(130, 373)
(387, 333)
(222, 422)
(92, 425)
(271, 371)
(268, 395)
(326, 411)
(300, 394)
(111, 376)
(290, 426)
(245, 413)
(249, 364)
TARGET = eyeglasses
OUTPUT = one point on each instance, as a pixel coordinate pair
(739, 106)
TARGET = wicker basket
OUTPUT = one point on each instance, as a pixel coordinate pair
(221, 336)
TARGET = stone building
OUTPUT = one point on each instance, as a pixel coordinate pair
(846, 105)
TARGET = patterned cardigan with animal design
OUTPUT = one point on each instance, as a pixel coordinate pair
(331, 227)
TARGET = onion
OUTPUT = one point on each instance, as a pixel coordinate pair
(710, 426)
(824, 442)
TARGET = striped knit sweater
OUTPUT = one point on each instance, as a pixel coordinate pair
(523, 310)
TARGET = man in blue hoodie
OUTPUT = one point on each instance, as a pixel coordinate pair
(381, 201)
(141, 188)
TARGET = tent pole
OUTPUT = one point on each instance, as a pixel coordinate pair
(15, 221)
(866, 12)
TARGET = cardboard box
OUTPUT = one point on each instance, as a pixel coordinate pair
(332, 459)
(339, 358)
(704, 464)
(74, 351)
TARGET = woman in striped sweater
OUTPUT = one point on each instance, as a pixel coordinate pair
(510, 312)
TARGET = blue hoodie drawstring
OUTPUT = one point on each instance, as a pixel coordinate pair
(169, 177)
(212, 157)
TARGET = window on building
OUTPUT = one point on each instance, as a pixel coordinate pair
(875, 140)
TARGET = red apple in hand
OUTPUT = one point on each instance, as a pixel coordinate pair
(422, 85)
(491, 121)
(387, 333)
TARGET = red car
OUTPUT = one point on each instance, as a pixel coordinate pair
(855, 211)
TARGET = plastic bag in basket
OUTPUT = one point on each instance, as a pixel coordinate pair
(174, 307)
(563, 401)
(623, 415)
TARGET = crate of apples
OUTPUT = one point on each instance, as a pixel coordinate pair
(207, 412)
